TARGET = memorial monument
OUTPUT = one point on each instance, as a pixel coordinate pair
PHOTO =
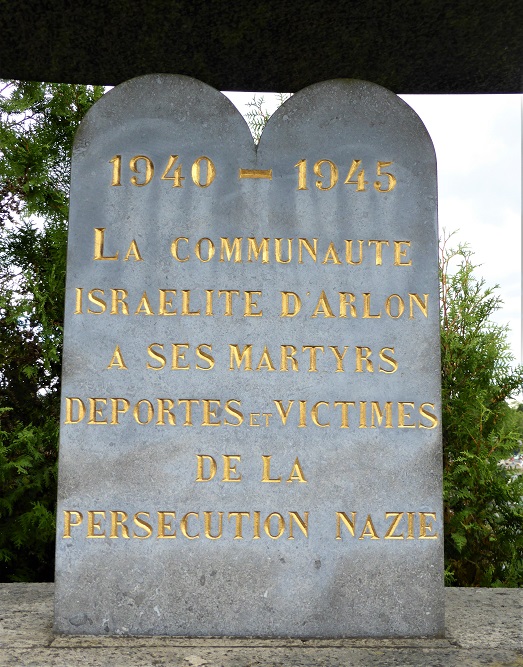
(250, 430)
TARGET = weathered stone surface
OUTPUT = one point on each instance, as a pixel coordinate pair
(353, 435)
(482, 627)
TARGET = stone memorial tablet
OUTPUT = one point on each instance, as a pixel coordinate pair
(250, 430)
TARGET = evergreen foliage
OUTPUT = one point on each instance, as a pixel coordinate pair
(37, 125)
(257, 117)
(483, 502)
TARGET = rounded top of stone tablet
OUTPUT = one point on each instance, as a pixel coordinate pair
(170, 98)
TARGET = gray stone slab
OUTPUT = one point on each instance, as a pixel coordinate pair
(264, 657)
(193, 336)
(484, 617)
(27, 609)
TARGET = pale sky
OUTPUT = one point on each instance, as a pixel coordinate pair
(478, 147)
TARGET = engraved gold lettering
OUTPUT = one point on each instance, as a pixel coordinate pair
(377, 412)
(339, 357)
(99, 238)
(297, 472)
(422, 305)
(388, 359)
(164, 524)
(149, 170)
(333, 174)
(202, 459)
(235, 356)
(78, 308)
(196, 172)
(149, 414)
(178, 357)
(233, 412)
(344, 411)
(366, 308)
(400, 253)
(166, 303)
(363, 355)
(256, 526)
(312, 356)
(93, 525)
(323, 307)
(331, 255)
(363, 414)
(433, 420)
(116, 161)
(368, 530)
(396, 518)
(303, 524)
(360, 183)
(207, 525)
(290, 304)
(348, 523)
(144, 525)
(69, 412)
(280, 525)
(250, 304)
(174, 249)
(424, 526)
(311, 249)
(391, 180)
(348, 252)
(229, 469)
(284, 414)
(302, 174)
(165, 405)
(344, 303)
(266, 361)
(400, 307)
(226, 249)
(303, 414)
(118, 519)
(186, 303)
(402, 415)
(228, 299)
(188, 409)
(144, 307)
(118, 297)
(277, 251)
(117, 360)
(97, 301)
(239, 523)
(210, 250)
(205, 355)
(154, 354)
(287, 354)
(379, 244)
(266, 476)
(254, 250)
(255, 173)
(95, 410)
(119, 407)
(314, 414)
(410, 525)
(134, 252)
(177, 177)
(210, 412)
(183, 526)
(208, 302)
(71, 518)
